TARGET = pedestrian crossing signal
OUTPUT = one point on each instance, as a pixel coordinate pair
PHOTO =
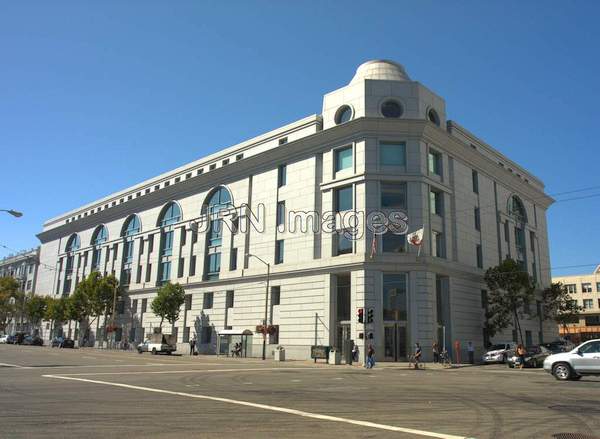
(370, 313)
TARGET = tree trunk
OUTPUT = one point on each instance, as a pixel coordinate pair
(518, 324)
(161, 322)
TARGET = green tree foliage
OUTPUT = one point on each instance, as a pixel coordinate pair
(35, 308)
(510, 289)
(167, 302)
(56, 310)
(559, 306)
(78, 305)
(8, 289)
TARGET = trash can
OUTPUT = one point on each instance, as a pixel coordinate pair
(335, 357)
(279, 354)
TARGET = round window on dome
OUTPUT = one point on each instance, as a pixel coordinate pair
(343, 115)
(391, 108)
(433, 116)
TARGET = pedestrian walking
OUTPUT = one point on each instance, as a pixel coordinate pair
(418, 354)
(436, 352)
(355, 353)
(471, 351)
(192, 345)
(370, 357)
(521, 355)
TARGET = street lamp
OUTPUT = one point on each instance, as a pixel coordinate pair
(264, 349)
(14, 213)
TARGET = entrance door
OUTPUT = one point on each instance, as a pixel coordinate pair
(395, 341)
(343, 334)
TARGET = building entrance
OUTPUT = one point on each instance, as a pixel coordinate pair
(342, 337)
(395, 341)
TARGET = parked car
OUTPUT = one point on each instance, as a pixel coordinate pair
(498, 353)
(534, 357)
(33, 340)
(578, 362)
(4, 339)
(559, 346)
(61, 342)
(158, 343)
(20, 337)
(11, 339)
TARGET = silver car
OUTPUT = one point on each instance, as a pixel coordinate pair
(572, 365)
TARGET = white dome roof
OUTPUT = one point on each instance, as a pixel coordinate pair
(381, 69)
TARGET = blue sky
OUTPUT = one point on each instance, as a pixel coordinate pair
(96, 96)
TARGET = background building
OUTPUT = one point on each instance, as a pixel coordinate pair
(22, 266)
(585, 289)
(382, 143)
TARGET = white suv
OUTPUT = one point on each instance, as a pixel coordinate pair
(572, 365)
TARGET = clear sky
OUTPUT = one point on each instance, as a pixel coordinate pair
(97, 96)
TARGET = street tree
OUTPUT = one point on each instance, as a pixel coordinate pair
(560, 306)
(56, 312)
(167, 302)
(35, 309)
(511, 288)
(10, 300)
(78, 306)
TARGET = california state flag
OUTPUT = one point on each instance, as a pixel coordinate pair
(416, 237)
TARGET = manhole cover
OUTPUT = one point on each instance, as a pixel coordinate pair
(573, 436)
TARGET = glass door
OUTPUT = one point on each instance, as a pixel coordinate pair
(395, 341)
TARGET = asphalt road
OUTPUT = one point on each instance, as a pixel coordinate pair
(55, 393)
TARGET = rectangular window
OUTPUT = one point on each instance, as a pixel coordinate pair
(193, 265)
(475, 178)
(126, 277)
(592, 320)
(393, 195)
(436, 204)
(394, 297)
(233, 259)
(343, 158)
(138, 275)
(180, 267)
(343, 244)
(598, 287)
(144, 305)
(281, 175)
(275, 295)
(148, 272)
(392, 243)
(586, 288)
(571, 288)
(213, 266)
(392, 154)
(283, 141)
(134, 306)
(188, 302)
(280, 213)
(183, 236)
(96, 258)
(484, 299)
(274, 337)
(215, 234)
(229, 298)
(532, 241)
(279, 249)
(343, 199)
(206, 335)
(477, 219)
(588, 303)
(207, 301)
(165, 271)
(434, 162)
(128, 252)
(186, 335)
(167, 244)
(150, 243)
(121, 307)
(437, 244)
(479, 256)
(506, 232)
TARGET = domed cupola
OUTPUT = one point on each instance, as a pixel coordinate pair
(380, 69)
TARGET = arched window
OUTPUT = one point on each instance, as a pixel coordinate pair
(170, 214)
(100, 235)
(516, 209)
(132, 226)
(73, 243)
(220, 199)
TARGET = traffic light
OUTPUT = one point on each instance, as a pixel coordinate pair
(370, 315)
(360, 313)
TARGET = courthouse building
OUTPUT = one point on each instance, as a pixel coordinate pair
(382, 143)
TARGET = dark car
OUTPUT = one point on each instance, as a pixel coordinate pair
(61, 342)
(33, 341)
(556, 347)
(534, 357)
(20, 337)
(11, 339)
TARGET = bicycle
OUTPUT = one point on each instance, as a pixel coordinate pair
(445, 359)
(413, 363)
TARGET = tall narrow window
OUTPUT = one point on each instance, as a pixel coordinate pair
(437, 244)
(281, 175)
(436, 204)
(475, 178)
(170, 215)
(99, 237)
(434, 161)
(280, 214)
(343, 158)
(477, 218)
(233, 259)
(479, 256)
(219, 200)
(279, 249)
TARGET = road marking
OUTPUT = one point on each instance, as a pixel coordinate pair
(247, 383)
(257, 369)
(90, 358)
(296, 381)
(270, 408)
(338, 378)
(14, 365)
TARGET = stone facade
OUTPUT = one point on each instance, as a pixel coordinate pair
(381, 139)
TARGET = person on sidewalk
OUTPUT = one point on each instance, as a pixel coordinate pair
(471, 351)
(418, 355)
(192, 346)
(370, 357)
(355, 353)
(436, 352)
(521, 355)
